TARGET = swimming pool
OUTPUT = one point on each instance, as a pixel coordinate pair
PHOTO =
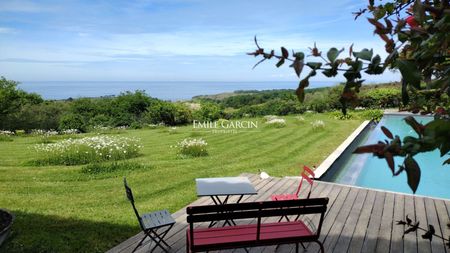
(369, 171)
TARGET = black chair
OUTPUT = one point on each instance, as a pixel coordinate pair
(152, 222)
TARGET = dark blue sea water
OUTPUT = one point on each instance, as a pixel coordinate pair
(161, 90)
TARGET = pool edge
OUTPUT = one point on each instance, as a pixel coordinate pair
(331, 159)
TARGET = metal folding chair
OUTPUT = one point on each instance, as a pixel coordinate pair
(155, 225)
(306, 173)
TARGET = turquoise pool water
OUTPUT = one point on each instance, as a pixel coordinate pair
(368, 171)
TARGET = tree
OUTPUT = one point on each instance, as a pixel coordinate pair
(12, 100)
(418, 46)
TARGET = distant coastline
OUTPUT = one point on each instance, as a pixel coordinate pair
(173, 91)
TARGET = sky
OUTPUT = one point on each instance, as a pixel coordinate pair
(171, 40)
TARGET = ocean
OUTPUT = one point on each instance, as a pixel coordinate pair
(163, 90)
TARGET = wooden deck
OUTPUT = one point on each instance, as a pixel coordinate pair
(357, 220)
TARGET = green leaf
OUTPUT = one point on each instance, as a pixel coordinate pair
(405, 95)
(402, 37)
(300, 92)
(409, 72)
(413, 173)
(416, 126)
(314, 65)
(280, 62)
(328, 73)
(376, 60)
(374, 67)
(298, 66)
(379, 13)
(419, 12)
(364, 54)
(389, 7)
(299, 55)
(333, 53)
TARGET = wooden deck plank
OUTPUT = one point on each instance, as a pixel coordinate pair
(410, 240)
(337, 198)
(357, 220)
(370, 241)
(359, 234)
(341, 218)
(437, 245)
(385, 232)
(323, 191)
(350, 225)
(444, 219)
(397, 230)
(421, 216)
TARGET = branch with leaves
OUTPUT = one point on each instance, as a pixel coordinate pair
(351, 66)
(417, 42)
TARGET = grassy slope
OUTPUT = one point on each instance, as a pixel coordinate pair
(60, 209)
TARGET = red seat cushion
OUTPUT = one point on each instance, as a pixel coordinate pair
(247, 233)
(284, 197)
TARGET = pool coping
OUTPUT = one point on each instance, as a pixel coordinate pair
(376, 189)
(326, 164)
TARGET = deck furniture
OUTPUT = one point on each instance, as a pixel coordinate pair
(261, 233)
(155, 225)
(224, 187)
(306, 172)
(305, 176)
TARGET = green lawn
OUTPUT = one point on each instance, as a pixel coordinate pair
(60, 209)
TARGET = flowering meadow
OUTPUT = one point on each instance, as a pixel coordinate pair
(6, 135)
(87, 201)
(192, 147)
(276, 122)
(318, 124)
(87, 150)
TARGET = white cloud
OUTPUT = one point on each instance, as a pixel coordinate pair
(23, 6)
(7, 30)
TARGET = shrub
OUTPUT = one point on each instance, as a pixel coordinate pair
(381, 98)
(183, 115)
(160, 112)
(269, 118)
(374, 115)
(340, 116)
(99, 168)
(276, 122)
(45, 115)
(87, 150)
(192, 148)
(6, 135)
(135, 125)
(208, 112)
(108, 130)
(300, 119)
(70, 131)
(100, 120)
(72, 121)
(318, 124)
